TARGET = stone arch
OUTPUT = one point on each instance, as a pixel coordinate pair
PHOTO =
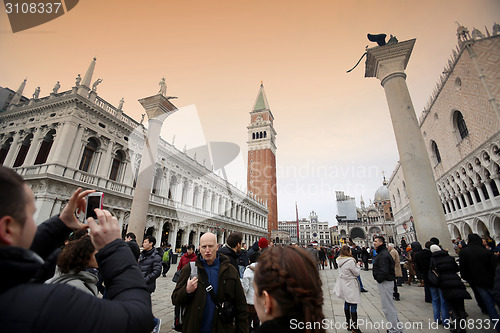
(480, 227)
(357, 233)
(455, 232)
(467, 230)
(495, 227)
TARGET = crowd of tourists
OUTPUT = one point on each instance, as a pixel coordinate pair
(64, 275)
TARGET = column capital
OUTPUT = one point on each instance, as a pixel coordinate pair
(157, 107)
(382, 61)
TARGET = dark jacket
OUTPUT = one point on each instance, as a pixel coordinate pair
(477, 264)
(281, 325)
(229, 289)
(38, 307)
(150, 264)
(135, 248)
(496, 286)
(254, 248)
(229, 252)
(422, 262)
(383, 265)
(449, 282)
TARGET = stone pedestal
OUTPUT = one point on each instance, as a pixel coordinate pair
(158, 108)
(387, 63)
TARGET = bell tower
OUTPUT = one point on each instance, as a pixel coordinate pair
(261, 171)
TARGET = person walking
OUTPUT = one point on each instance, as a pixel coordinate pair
(477, 266)
(347, 287)
(215, 272)
(166, 260)
(248, 289)
(150, 264)
(440, 308)
(397, 269)
(452, 287)
(384, 274)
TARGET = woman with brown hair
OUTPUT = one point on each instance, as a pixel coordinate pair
(288, 294)
(77, 266)
(347, 287)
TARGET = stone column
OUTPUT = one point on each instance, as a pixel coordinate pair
(106, 159)
(76, 148)
(387, 63)
(172, 236)
(59, 153)
(9, 159)
(158, 108)
(158, 226)
(34, 147)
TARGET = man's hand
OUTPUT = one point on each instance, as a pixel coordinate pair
(76, 204)
(106, 231)
(192, 284)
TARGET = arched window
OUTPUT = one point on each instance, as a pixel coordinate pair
(404, 189)
(43, 152)
(88, 155)
(253, 136)
(23, 151)
(265, 134)
(435, 152)
(459, 124)
(4, 150)
(116, 164)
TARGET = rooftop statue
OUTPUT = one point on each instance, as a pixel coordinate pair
(163, 87)
(96, 83)
(120, 105)
(36, 93)
(78, 80)
(56, 87)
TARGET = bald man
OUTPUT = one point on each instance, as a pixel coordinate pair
(201, 312)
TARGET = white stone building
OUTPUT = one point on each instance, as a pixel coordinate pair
(371, 221)
(461, 129)
(313, 230)
(75, 138)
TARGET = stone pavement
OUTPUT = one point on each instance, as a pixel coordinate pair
(413, 312)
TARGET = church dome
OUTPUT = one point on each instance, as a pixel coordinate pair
(382, 194)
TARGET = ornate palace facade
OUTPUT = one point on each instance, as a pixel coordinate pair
(461, 129)
(76, 139)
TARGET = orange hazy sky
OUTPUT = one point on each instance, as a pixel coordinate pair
(334, 129)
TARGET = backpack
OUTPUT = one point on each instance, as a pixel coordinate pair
(166, 256)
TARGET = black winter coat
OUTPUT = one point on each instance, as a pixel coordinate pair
(383, 265)
(449, 282)
(233, 257)
(282, 325)
(150, 264)
(477, 264)
(36, 307)
(422, 262)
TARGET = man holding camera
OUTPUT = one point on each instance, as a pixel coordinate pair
(215, 272)
(28, 305)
